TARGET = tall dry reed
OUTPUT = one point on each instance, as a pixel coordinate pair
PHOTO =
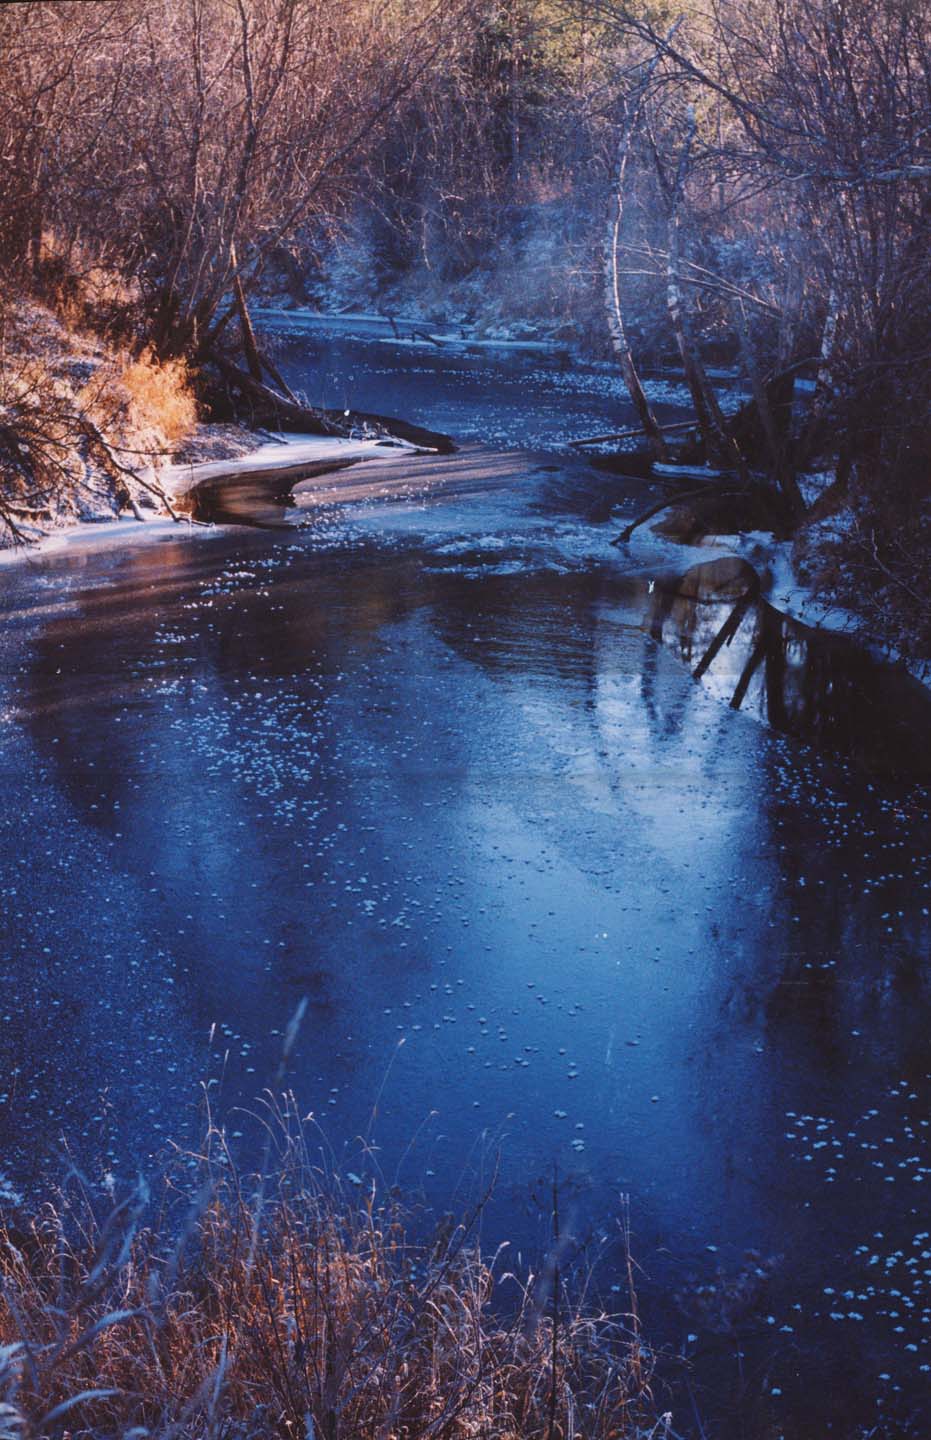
(290, 1303)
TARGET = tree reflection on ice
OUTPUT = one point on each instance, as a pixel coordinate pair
(817, 685)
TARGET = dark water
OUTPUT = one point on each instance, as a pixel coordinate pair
(823, 688)
(437, 765)
(496, 398)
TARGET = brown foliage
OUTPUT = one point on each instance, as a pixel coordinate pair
(141, 393)
(284, 1306)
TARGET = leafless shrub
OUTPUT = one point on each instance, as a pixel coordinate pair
(79, 425)
(783, 146)
(38, 461)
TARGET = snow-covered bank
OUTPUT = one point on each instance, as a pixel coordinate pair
(88, 429)
(279, 453)
(277, 458)
(92, 434)
(783, 584)
(259, 487)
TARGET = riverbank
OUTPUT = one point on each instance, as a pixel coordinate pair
(840, 570)
(89, 433)
(154, 458)
(92, 436)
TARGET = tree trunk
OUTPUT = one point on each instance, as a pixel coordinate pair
(719, 443)
(619, 338)
(809, 443)
(249, 344)
(777, 439)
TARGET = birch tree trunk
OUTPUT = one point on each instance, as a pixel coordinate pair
(619, 339)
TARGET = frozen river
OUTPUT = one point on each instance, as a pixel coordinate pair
(431, 759)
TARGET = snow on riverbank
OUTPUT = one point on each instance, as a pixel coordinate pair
(269, 457)
(278, 453)
(95, 433)
(400, 330)
(781, 585)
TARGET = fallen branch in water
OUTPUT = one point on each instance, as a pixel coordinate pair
(268, 405)
(273, 408)
(665, 503)
(678, 425)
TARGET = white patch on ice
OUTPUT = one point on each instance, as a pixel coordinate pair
(8, 1196)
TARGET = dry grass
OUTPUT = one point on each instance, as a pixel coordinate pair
(162, 393)
(144, 396)
(291, 1305)
(88, 295)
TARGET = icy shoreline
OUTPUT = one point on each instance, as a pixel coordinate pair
(181, 479)
(780, 587)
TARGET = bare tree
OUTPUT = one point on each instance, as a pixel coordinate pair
(797, 199)
(192, 138)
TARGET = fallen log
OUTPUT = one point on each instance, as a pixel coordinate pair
(630, 434)
(400, 430)
(425, 335)
(416, 332)
(274, 409)
(275, 374)
(701, 473)
(269, 406)
(640, 463)
(634, 464)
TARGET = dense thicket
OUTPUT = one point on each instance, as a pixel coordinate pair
(175, 144)
(785, 147)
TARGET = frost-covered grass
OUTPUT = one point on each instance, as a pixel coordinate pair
(294, 1302)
